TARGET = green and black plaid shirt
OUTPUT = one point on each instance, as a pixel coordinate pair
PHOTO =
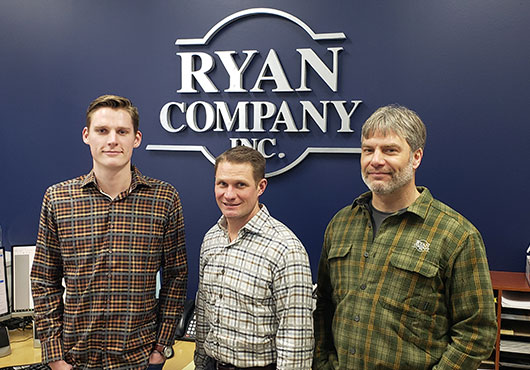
(108, 252)
(417, 296)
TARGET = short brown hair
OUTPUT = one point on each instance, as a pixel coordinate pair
(244, 154)
(114, 102)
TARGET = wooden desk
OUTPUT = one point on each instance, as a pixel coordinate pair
(23, 352)
(183, 359)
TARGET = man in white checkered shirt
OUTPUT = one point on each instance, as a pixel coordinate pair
(254, 304)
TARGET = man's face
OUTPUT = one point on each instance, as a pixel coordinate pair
(387, 163)
(111, 138)
(237, 192)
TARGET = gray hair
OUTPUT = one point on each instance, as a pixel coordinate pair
(398, 120)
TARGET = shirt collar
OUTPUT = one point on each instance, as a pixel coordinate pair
(419, 207)
(137, 179)
(254, 225)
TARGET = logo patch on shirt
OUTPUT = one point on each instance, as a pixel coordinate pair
(422, 246)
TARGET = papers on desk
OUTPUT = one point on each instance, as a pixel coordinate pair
(520, 300)
(515, 346)
(511, 365)
(515, 331)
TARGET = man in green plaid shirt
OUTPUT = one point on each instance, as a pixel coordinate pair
(403, 280)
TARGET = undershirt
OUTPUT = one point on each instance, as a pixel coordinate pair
(378, 216)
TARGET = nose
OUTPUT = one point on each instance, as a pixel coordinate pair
(111, 138)
(378, 158)
(230, 193)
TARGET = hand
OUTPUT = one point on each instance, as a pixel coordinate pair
(60, 365)
(155, 358)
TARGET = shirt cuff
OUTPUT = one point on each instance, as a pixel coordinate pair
(166, 334)
(52, 350)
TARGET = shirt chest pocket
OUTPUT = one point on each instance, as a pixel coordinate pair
(413, 279)
(342, 268)
(412, 293)
(417, 264)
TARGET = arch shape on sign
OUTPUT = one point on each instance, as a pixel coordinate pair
(202, 149)
(255, 11)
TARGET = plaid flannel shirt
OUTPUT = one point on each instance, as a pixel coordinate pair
(109, 252)
(417, 296)
(254, 303)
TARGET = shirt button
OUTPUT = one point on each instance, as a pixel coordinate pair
(352, 350)
(220, 296)
(366, 254)
(222, 271)
(357, 318)
(363, 286)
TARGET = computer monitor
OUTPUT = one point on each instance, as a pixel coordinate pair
(4, 299)
(21, 262)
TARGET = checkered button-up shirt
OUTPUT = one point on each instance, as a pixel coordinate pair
(417, 296)
(109, 252)
(254, 304)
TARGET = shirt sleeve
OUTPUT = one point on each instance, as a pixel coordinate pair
(174, 275)
(47, 290)
(323, 315)
(202, 328)
(471, 306)
(292, 291)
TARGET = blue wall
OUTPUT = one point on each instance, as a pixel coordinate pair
(463, 66)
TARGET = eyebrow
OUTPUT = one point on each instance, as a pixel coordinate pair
(107, 126)
(237, 181)
(385, 146)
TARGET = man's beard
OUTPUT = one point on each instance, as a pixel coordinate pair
(397, 181)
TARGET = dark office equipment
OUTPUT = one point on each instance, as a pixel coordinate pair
(186, 326)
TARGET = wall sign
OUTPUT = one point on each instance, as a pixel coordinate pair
(271, 126)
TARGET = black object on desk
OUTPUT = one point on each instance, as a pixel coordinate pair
(5, 347)
(186, 326)
(27, 367)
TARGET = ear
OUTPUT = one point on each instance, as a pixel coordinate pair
(262, 184)
(416, 158)
(137, 139)
(85, 135)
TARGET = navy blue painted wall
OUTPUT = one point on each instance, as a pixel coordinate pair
(463, 66)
